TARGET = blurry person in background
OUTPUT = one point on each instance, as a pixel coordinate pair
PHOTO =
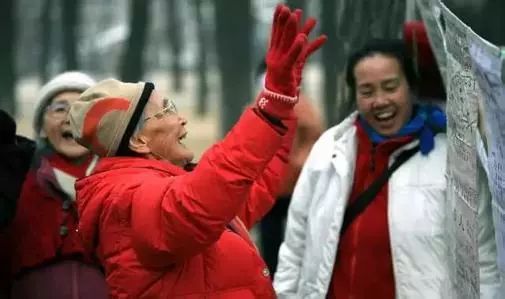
(164, 228)
(368, 214)
(310, 127)
(42, 248)
(16, 152)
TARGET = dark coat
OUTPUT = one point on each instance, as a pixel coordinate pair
(16, 153)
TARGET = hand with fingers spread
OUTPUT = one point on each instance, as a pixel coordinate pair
(286, 45)
(286, 56)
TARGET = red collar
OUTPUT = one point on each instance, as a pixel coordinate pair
(117, 163)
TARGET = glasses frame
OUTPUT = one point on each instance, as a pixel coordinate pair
(52, 112)
(168, 109)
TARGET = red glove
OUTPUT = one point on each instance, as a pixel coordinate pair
(309, 48)
(286, 45)
(285, 48)
(285, 60)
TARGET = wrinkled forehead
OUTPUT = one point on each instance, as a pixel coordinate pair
(66, 96)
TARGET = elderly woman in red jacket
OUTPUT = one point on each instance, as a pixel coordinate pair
(40, 247)
(162, 231)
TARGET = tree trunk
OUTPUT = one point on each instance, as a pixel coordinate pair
(360, 32)
(234, 52)
(132, 64)
(174, 39)
(203, 88)
(45, 23)
(7, 57)
(70, 24)
(329, 60)
(397, 19)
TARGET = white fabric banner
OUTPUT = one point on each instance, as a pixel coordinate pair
(488, 68)
(463, 94)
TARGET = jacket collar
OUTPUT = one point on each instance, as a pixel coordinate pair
(119, 163)
(387, 146)
(345, 143)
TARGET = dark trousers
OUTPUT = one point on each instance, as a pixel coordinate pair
(272, 232)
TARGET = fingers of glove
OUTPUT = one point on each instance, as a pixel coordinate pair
(315, 45)
(308, 26)
(296, 49)
(299, 14)
(274, 23)
(278, 26)
(289, 34)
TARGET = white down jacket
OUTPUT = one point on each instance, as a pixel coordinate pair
(417, 216)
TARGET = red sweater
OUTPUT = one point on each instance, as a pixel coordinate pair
(363, 267)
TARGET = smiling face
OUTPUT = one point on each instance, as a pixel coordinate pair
(162, 133)
(56, 128)
(382, 93)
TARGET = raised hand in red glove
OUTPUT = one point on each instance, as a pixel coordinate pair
(285, 59)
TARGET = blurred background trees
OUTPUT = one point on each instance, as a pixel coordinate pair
(132, 65)
(201, 52)
(8, 32)
(70, 17)
(233, 21)
(485, 17)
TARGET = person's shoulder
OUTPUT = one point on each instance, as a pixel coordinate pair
(131, 172)
(339, 131)
(26, 144)
(333, 137)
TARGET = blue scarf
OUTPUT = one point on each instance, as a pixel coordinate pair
(426, 122)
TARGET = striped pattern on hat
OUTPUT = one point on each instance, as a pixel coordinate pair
(103, 113)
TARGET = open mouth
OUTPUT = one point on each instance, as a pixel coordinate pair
(384, 116)
(67, 135)
(182, 137)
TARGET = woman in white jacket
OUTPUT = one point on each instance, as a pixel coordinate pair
(396, 246)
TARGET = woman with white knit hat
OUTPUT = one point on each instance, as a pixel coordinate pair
(45, 255)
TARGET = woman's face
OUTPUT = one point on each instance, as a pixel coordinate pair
(382, 93)
(57, 129)
(163, 131)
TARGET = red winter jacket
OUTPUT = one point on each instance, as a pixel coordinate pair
(162, 232)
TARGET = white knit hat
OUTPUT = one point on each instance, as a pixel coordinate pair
(68, 81)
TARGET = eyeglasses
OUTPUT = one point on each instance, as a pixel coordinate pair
(58, 110)
(168, 108)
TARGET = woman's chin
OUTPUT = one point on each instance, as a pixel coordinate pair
(72, 152)
(387, 128)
